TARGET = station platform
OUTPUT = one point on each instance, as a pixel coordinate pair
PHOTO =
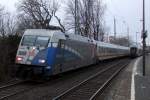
(140, 85)
(130, 84)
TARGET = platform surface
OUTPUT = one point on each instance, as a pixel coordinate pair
(130, 84)
(140, 89)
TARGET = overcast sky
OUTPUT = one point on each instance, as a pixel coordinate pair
(9, 4)
(129, 11)
(126, 12)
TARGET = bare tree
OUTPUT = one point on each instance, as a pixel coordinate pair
(7, 24)
(11, 24)
(97, 20)
(40, 12)
(2, 26)
(24, 22)
(90, 16)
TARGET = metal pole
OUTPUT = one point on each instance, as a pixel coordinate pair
(136, 38)
(114, 28)
(144, 37)
(128, 32)
(75, 16)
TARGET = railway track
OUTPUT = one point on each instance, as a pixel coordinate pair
(93, 86)
(14, 89)
(11, 84)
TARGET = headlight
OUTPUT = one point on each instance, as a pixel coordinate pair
(41, 61)
(19, 58)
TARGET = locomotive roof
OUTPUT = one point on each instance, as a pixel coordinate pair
(80, 38)
(45, 32)
(41, 32)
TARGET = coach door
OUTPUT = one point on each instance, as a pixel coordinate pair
(59, 57)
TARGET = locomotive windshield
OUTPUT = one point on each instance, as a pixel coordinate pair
(28, 40)
(42, 41)
(35, 41)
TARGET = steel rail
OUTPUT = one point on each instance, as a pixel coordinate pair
(101, 89)
(83, 82)
(21, 91)
(13, 94)
(10, 85)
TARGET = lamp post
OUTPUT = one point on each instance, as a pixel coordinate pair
(128, 34)
(137, 37)
(76, 16)
(115, 31)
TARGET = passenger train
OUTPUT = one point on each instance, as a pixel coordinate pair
(49, 52)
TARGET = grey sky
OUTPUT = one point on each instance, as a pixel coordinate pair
(128, 11)
(9, 4)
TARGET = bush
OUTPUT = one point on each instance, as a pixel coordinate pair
(8, 47)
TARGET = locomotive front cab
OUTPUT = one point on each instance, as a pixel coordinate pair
(31, 49)
(37, 51)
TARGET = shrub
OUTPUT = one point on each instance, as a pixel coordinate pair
(8, 48)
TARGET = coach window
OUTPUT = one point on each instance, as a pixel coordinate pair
(114, 51)
(110, 50)
(106, 51)
(102, 51)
